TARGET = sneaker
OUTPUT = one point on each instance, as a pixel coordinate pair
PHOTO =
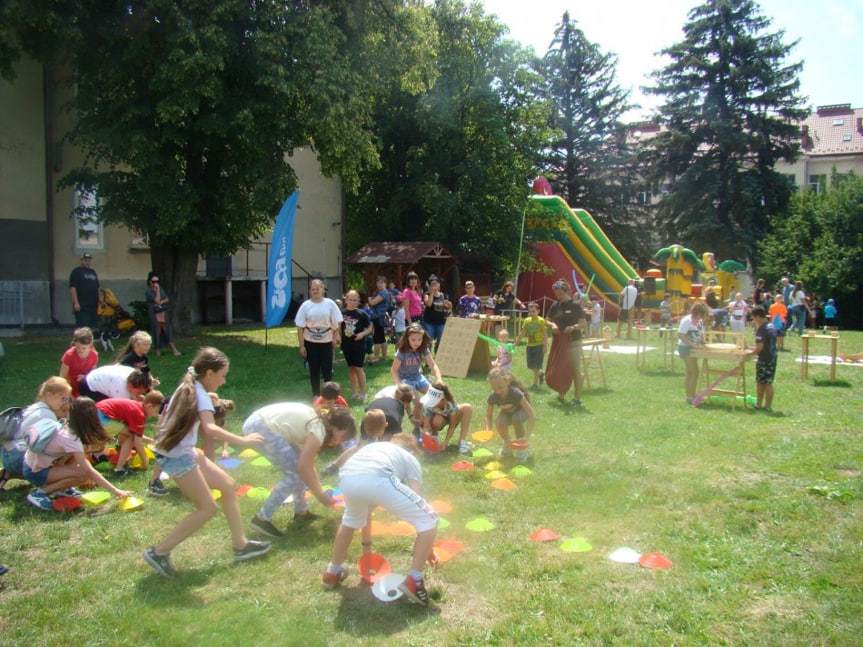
(41, 499)
(157, 488)
(505, 451)
(415, 591)
(542, 377)
(72, 491)
(578, 404)
(122, 473)
(160, 563)
(265, 527)
(251, 550)
(464, 447)
(331, 580)
(522, 455)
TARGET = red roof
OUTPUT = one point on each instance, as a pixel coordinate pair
(403, 253)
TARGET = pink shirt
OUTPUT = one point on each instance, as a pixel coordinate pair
(78, 366)
(415, 302)
(62, 444)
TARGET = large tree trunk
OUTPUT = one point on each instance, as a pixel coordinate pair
(178, 269)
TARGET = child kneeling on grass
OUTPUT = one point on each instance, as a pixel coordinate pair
(510, 396)
(388, 475)
(62, 464)
(192, 408)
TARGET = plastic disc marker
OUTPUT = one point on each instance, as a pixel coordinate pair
(576, 545)
(129, 504)
(462, 466)
(655, 560)
(544, 534)
(230, 463)
(625, 555)
(373, 567)
(386, 589)
(96, 497)
(67, 503)
(482, 436)
(479, 525)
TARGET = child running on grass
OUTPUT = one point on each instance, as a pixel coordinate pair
(191, 409)
(537, 342)
(387, 475)
(765, 351)
(413, 350)
(293, 433)
(509, 395)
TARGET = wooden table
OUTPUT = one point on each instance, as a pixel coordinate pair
(804, 354)
(489, 322)
(669, 342)
(724, 353)
(592, 346)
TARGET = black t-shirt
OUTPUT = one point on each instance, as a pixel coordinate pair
(435, 313)
(566, 313)
(711, 299)
(393, 410)
(508, 302)
(86, 284)
(353, 323)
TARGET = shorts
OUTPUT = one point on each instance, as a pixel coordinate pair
(626, 315)
(684, 351)
(534, 357)
(113, 427)
(395, 497)
(177, 467)
(765, 371)
(354, 355)
(36, 478)
(419, 384)
(380, 334)
(12, 460)
(515, 419)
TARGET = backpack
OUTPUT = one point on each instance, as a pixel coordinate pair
(10, 423)
(40, 434)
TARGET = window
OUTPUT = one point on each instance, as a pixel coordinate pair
(839, 122)
(139, 239)
(644, 198)
(817, 183)
(88, 228)
(846, 138)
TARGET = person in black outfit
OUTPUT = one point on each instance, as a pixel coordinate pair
(566, 318)
(84, 290)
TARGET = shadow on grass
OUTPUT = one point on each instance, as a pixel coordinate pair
(839, 384)
(360, 613)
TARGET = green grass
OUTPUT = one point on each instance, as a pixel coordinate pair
(762, 515)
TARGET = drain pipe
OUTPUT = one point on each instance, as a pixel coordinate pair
(52, 163)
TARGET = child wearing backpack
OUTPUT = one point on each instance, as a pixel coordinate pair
(56, 458)
(52, 403)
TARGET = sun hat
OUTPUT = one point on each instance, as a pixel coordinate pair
(431, 397)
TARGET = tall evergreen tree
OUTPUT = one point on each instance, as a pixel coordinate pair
(731, 103)
(587, 161)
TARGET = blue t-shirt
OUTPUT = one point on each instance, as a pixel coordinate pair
(766, 335)
(410, 364)
(829, 312)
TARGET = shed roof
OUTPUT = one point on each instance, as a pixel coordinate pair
(403, 253)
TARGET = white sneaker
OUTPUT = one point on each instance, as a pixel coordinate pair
(463, 447)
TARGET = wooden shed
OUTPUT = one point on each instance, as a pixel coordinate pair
(395, 260)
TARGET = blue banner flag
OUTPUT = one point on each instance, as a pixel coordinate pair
(279, 283)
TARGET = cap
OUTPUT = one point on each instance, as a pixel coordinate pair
(433, 278)
(830, 302)
(431, 397)
(86, 256)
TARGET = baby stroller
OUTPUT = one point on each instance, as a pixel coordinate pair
(114, 320)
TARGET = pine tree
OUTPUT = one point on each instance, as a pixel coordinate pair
(731, 107)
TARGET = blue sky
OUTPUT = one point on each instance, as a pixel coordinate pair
(830, 33)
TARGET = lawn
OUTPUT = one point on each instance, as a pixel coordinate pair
(760, 513)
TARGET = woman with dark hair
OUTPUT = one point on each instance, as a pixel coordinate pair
(505, 299)
(157, 310)
(414, 297)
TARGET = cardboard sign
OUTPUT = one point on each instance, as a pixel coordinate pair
(460, 351)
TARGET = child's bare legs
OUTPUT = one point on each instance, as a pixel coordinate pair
(690, 379)
(535, 377)
(63, 476)
(358, 380)
(124, 438)
(208, 445)
(344, 536)
(423, 545)
(381, 351)
(463, 418)
(765, 394)
(138, 444)
(226, 449)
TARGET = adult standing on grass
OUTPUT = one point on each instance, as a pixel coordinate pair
(690, 334)
(414, 298)
(568, 323)
(628, 296)
(157, 311)
(191, 409)
(437, 308)
(505, 299)
(84, 290)
(381, 302)
(799, 306)
(318, 329)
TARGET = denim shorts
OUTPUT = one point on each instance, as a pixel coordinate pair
(36, 478)
(418, 384)
(176, 467)
(684, 350)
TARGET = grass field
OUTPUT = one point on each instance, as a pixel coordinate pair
(761, 514)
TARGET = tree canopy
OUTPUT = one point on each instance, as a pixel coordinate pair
(731, 106)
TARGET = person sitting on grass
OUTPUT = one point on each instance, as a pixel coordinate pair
(765, 364)
(510, 396)
(293, 433)
(440, 410)
(125, 420)
(63, 465)
(387, 475)
(196, 475)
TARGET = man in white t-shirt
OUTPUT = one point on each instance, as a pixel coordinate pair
(385, 474)
(628, 295)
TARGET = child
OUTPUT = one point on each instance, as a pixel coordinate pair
(537, 342)
(356, 327)
(664, 312)
(79, 359)
(115, 381)
(63, 463)
(293, 434)
(52, 403)
(515, 411)
(779, 309)
(689, 336)
(124, 420)
(441, 409)
(412, 350)
(504, 359)
(387, 475)
(399, 316)
(135, 354)
(220, 414)
(373, 428)
(765, 365)
(738, 309)
(595, 322)
(192, 408)
(331, 396)
(830, 313)
(368, 342)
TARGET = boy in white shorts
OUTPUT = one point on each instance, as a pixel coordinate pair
(385, 474)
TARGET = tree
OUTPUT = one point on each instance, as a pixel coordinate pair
(456, 159)
(820, 241)
(185, 111)
(731, 107)
(587, 161)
